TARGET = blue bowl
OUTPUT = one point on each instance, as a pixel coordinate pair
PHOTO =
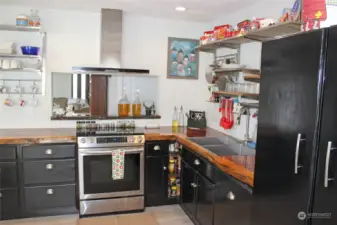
(30, 50)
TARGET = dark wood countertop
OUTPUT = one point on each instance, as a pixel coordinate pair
(240, 167)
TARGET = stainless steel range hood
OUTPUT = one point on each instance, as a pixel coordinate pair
(111, 47)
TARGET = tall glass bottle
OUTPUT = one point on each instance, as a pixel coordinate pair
(124, 105)
(175, 120)
(181, 117)
(137, 105)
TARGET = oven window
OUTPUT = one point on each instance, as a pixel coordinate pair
(98, 174)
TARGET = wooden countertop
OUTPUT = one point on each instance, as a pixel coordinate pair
(37, 136)
(240, 167)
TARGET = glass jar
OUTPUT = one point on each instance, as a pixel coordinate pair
(137, 105)
(124, 105)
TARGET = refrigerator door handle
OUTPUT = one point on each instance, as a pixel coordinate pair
(327, 164)
(297, 152)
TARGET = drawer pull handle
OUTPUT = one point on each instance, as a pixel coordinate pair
(197, 162)
(50, 191)
(194, 185)
(49, 166)
(156, 148)
(231, 196)
(49, 152)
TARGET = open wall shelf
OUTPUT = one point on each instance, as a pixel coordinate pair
(237, 94)
(276, 31)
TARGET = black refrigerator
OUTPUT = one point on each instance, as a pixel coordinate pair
(295, 179)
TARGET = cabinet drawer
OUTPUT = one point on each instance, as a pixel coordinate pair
(9, 204)
(7, 152)
(198, 163)
(47, 197)
(49, 171)
(48, 151)
(157, 148)
(8, 175)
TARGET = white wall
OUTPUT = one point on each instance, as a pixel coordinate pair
(73, 39)
(250, 55)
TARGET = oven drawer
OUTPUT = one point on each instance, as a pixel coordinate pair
(7, 152)
(199, 163)
(49, 171)
(48, 151)
(157, 148)
(47, 197)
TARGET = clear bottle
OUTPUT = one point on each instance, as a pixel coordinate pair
(124, 105)
(34, 19)
(181, 117)
(175, 121)
(137, 105)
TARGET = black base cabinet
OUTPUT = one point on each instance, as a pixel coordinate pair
(37, 180)
(210, 197)
(156, 174)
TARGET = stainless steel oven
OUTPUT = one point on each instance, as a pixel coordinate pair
(98, 191)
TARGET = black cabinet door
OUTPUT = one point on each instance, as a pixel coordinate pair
(325, 200)
(288, 98)
(232, 202)
(189, 185)
(204, 201)
(154, 182)
(9, 201)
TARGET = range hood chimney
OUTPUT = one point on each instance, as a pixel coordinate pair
(111, 47)
(111, 37)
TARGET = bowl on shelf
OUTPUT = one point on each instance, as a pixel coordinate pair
(30, 50)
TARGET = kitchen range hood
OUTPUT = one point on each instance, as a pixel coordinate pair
(111, 48)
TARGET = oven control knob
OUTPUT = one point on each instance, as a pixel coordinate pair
(140, 139)
(82, 140)
(131, 139)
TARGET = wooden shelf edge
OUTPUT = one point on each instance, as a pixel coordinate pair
(237, 94)
(252, 78)
(105, 118)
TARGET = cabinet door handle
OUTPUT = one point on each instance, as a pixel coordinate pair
(194, 185)
(165, 168)
(49, 166)
(156, 148)
(50, 191)
(297, 152)
(327, 164)
(0, 195)
(197, 162)
(49, 152)
(231, 196)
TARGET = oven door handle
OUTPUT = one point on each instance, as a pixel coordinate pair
(99, 152)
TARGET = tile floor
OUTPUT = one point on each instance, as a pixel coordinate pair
(164, 215)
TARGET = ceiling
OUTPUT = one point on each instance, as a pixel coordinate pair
(198, 10)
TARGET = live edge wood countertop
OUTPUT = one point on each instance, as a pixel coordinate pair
(240, 167)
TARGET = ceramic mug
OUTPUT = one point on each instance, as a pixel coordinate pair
(3, 89)
(18, 89)
(33, 102)
(8, 102)
(15, 64)
(6, 64)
